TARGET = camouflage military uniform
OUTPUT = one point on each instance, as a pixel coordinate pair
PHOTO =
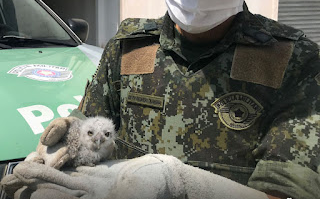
(250, 129)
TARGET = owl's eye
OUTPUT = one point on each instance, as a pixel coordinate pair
(90, 133)
(107, 134)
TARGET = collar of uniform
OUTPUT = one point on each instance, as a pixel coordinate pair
(138, 27)
(167, 33)
(259, 30)
(246, 29)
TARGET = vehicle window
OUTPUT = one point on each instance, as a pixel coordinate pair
(26, 18)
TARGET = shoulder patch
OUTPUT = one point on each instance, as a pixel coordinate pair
(263, 65)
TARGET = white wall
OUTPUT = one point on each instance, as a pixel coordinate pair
(267, 8)
(142, 9)
(107, 19)
(157, 8)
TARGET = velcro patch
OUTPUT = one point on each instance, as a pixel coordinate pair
(138, 61)
(263, 65)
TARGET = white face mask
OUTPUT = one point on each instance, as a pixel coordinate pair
(196, 16)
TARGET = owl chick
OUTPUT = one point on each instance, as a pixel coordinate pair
(90, 141)
(87, 142)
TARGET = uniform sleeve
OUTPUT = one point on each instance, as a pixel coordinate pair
(289, 153)
(101, 94)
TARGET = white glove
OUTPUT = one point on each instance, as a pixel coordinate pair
(147, 177)
(50, 151)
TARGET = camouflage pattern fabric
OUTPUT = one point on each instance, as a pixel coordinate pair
(170, 112)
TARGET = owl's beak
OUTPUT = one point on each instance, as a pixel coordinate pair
(98, 143)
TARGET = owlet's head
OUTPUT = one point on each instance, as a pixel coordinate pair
(98, 133)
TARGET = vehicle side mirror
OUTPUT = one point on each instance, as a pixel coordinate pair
(80, 27)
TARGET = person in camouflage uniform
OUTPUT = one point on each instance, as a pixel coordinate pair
(212, 107)
(245, 107)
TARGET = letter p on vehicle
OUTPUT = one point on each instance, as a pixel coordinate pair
(35, 122)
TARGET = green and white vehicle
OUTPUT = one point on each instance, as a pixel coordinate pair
(44, 67)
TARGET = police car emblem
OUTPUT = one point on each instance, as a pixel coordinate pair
(237, 111)
(42, 72)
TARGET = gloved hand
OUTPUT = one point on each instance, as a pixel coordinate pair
(147, 177)
(50, 151)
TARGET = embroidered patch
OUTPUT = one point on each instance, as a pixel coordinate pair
(146, 100)
(237, 111)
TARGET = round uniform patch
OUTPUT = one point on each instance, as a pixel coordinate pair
(237, 111)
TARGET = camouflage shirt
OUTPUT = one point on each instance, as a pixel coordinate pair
(259, 127)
